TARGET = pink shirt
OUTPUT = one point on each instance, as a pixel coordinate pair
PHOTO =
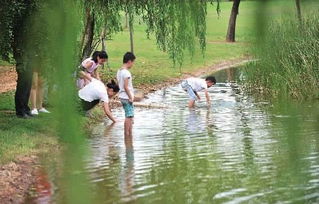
(82, 82)
(92, 68)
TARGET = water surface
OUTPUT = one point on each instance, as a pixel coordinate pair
(238, 150)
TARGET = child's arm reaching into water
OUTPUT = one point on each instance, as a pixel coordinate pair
(207, 97)
(107, 112)
(197, 95)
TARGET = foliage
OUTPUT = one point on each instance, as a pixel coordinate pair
(288, 59)
(13, 14)
(176, 24)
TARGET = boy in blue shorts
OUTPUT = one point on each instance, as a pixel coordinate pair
(126, 96)
(193, 85)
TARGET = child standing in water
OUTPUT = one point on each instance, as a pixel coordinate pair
(89, 68)
(193, 85)
(126, 96)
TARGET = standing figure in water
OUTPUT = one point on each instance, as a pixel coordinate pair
(88, 68)
(194, 85)
(126, 96)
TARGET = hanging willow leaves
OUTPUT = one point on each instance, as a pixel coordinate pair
(176, 24)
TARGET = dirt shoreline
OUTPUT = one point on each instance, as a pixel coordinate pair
(17, 177)
(148, 88)
(8, 78)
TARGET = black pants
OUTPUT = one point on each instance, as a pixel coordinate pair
(23, 90)
(89, 105)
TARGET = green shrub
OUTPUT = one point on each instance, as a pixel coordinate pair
(288, 59)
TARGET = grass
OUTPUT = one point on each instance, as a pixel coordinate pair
(22, 137)
(4, 63)
(19, 137)
(153, 65)
(288, 65)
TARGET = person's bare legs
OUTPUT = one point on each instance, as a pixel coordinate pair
(128, 138)
(191, 104)
(33, 93)
(40, 92)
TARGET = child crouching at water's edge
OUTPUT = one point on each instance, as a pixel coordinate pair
(95, 92)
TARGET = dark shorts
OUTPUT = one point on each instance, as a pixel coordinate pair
(89, 105)
(128, 108)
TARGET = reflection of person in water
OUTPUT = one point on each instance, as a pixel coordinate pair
(123, 171)
(127, 178)
(209, 125)
(127, 175)
(194, 122)
(43, 187)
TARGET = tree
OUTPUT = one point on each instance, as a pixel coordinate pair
(230, 37)
(131, 28)
(298, 10)
(176, 25)
(88, 34)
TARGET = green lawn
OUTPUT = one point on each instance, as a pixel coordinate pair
(19, 136)
(22, 137)
(153, 65)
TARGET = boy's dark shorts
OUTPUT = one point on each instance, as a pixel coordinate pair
(86, 106)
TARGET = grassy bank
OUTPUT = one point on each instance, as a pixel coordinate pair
(288, 54)
(22, 137)
(19, 137)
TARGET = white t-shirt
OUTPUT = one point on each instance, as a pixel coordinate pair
(197, 84)
(123, 74)
(95, 90)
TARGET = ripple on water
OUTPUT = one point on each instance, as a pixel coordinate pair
(236, 150)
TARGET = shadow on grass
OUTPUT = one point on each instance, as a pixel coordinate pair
(23, 136)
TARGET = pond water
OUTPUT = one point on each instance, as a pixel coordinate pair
(238, 150)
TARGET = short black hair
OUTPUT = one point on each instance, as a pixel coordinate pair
(129, 56)
(103, 55)
(211, 79)
(113, 86)
(100, 54)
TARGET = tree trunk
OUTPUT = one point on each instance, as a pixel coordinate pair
(103, 36)
(230, 37)
(131, 32)
(298, 10)
(88, 34)
(126, 21)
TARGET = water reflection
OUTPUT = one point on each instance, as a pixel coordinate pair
(239, 150)
(127, 177)
(194, 122)
(235, 151)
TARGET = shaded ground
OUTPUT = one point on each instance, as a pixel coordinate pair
(8, 78)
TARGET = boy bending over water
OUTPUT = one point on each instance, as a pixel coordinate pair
(194, 85)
